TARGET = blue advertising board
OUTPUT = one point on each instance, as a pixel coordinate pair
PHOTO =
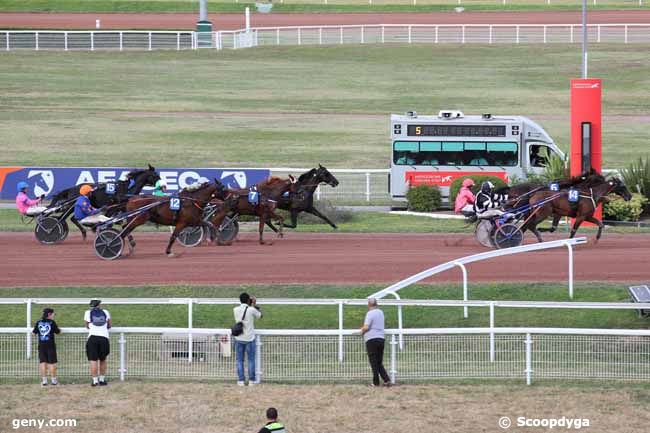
(49, 180)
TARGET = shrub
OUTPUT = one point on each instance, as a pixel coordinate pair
(637, 177)
(556, 168)
(424, 198)
(620, 210)
(478, 180)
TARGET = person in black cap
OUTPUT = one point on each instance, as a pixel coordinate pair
(98, 322)
(45, 328)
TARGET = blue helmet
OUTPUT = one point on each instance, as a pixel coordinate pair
(21, 186)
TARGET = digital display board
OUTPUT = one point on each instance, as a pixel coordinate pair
(456, 130)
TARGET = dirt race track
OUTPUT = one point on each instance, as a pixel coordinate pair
(328, 258)
(236, 21)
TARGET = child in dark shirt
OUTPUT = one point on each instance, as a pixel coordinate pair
(45, 329)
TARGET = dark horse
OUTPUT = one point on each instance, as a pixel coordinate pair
(302, 200)
(114, 202)
(190, 213)
(557, 204)
(269, 192)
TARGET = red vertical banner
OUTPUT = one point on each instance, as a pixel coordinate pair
(586, 130)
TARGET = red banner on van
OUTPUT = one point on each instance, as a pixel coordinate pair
(445, 178)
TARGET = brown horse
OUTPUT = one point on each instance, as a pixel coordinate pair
(269, 192)
(550, 203)
(158, 210)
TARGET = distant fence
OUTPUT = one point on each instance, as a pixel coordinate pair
(311, 355)
(326, 35)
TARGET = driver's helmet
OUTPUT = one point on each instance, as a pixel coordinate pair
(85, 189)
(21, 186)
(487, 187)
(467, 183)
(160, 184)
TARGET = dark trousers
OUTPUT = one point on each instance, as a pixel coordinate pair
(375, 349)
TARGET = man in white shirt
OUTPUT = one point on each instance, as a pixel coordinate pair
(98, 322)
(246, 313)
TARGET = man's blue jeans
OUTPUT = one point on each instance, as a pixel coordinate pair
(249, 348)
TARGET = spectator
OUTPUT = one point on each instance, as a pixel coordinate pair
(373, 335)
(272, 425)
(45, 329)
(245, 343)
(536, 157)
(465, 198)
(98, 322)
(24, 204)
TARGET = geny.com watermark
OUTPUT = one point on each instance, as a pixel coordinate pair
(550, 423)
(42, 423)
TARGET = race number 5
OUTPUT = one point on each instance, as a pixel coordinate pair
(174, 203)
(418, 130)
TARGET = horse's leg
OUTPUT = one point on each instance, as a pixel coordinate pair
(599, 223)
(294, 220)
(179, 228)
(271, 226)
(315, 212)
(262, 217)
(79, 226)
(576, 225)
(556, 221)
(280, 221)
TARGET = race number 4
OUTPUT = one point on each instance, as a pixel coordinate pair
(110, 188)
(174, 203)
(574, 195)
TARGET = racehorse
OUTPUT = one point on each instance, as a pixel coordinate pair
(191, 202)
(115, 202)
(269, 192)
(590, 194)
(302, 200)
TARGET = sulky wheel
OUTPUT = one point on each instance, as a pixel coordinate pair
(49, 231)
(191, 236)
(484, 233)
(108, 244)
(508, 236)
(227, 231)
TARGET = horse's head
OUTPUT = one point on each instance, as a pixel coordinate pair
(323, 175)
(220, 189)
(616, 186)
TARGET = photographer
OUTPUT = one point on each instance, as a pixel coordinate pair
(98, 322)
(246, 313)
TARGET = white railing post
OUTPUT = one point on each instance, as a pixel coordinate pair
(544, 33)
(318, 193)
(570, 248)
(529, 358)
(598, 39)
(571, 33)
(299, 36)
(517, 38)
(400, 322)
(149, 41)
(410, 31)
(463, 32)
(122, 356)
(362, 35)
(28, 342)
(393, 359)
(178, 41)
(383, 36)
(277, 36)
(341, 31)
(490, 37)
(492, 331)
(258, 359)
(36, 40)
(436, 38)
(65, 41)
(122, 41)
(626, 29)
(465, 288)
(368, 187)
(190, 345)
(320, 35)
(92, 41)
(7, 40)
(340, 331)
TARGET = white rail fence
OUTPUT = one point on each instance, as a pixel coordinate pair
(311, 356)
(433, 34)
(325, 35)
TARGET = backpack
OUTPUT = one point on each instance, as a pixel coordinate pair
(238, 328)
(97, 317)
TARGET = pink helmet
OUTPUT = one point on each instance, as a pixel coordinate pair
(468, 182)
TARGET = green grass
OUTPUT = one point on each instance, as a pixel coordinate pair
(294, 106)
(302, 6)
(288, 317)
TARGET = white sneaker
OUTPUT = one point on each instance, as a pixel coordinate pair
(240, 383)
(251, 383)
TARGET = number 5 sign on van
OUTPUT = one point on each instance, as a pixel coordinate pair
(445, 178)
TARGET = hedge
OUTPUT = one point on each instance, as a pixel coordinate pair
(424, 198)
